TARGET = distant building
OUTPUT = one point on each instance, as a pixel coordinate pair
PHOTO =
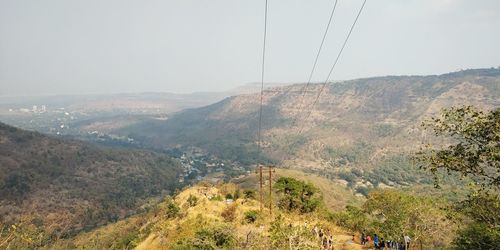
(35, 108)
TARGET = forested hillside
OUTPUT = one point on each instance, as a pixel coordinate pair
(359, 130)
(53, 187)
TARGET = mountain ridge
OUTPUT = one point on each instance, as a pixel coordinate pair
(362, 125)
(379, 98)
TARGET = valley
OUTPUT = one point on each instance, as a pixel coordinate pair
(361, 131)
(110, 177)
(242, 125)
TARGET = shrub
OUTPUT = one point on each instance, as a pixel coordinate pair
(477, 236)
(172, 210)
(229, 196)
(229, 214)
(363, 190)
(249, 194)
(285, 236)
(251, 216)
(192, 200)
(237, 194)
(209, 238)
(349, 177)
(216, 198)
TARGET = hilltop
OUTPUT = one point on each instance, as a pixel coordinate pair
(199, 213)
(228, 216)
(53, 188)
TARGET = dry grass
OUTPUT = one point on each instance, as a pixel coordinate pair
(208, 212)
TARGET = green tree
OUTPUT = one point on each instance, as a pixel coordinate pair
(473, 150)
(296, 195)
(395, 213)
(477, 236)
(352, 218)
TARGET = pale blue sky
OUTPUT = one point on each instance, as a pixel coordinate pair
(99, 46)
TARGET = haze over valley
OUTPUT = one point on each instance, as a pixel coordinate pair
(211, 125)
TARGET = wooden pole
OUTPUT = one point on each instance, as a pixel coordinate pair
(270, 190)
(261, 191)
(271, 171)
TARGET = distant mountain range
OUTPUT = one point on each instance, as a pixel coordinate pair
(360, 130)
(125, 103)
(99, 112)
(356, 124)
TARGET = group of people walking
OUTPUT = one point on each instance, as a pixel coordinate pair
(325, 237)
(386, 244)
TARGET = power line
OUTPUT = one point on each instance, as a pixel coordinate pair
(304, 90)
(259, 140)
(334, 64)
(262, 79)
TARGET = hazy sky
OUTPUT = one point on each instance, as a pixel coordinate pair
(104, 46)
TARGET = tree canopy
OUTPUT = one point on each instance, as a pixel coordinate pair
(472, 149)
(472, 145)
(297, 195)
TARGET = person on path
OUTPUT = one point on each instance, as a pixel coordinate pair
(325, 242)
(375, 241)
(407, 241)
(401, 246)
(316, 231)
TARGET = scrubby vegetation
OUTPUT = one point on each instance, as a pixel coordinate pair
(251, 216)
(176, 224)
(52, 188)
(391, 214)
(216, 237)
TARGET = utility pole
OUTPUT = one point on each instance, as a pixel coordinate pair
(261, 191)
(270, 190)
